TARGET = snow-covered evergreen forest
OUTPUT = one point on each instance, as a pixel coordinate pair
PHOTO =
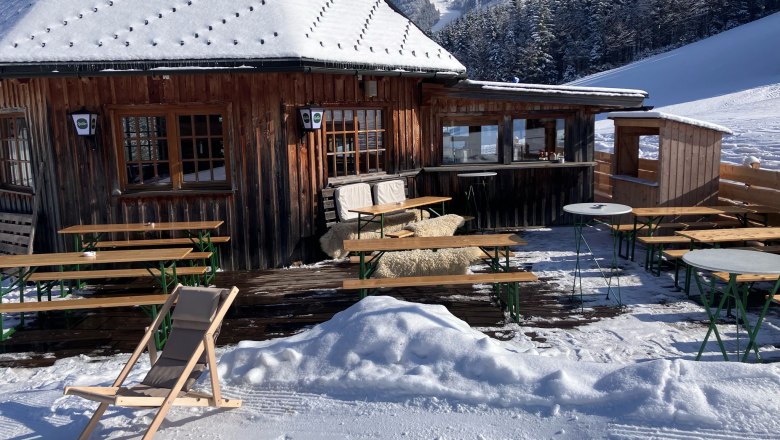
(556, 41)
(422, 12)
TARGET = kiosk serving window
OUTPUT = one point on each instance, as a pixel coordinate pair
(470, 142)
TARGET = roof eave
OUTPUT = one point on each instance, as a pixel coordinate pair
(159, 67)
(607, 102)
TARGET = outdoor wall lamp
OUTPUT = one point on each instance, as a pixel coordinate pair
(311, 117)
(85, 122)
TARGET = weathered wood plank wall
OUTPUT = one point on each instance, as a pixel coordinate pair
(273, 209)
(516, 196)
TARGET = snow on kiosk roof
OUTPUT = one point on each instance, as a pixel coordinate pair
(85, 36)
(669, 117)
(627, 98)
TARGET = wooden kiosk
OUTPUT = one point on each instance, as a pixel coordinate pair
(688, 160)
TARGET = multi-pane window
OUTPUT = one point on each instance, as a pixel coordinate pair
(15, 158)
(355, 141)
(173, 149)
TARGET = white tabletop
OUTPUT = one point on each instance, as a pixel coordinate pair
(597, 209)
(737, 261)
(482, 174)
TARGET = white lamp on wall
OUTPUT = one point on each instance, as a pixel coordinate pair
(311, 117)
(85, 122)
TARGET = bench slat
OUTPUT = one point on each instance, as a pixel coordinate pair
(403, 233)
(84, 303)
(745, 278)
(112, 273)
(156, 242)
(438, 280)
(665, 239)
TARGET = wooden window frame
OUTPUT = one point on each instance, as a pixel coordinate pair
(355, 133)
(7, 164)
(171, 113)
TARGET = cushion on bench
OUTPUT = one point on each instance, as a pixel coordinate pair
(425, 262)
(332, 242)
(391, 191)
(357, 195)
(437, 226)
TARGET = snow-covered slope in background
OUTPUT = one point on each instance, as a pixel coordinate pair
(731, 79)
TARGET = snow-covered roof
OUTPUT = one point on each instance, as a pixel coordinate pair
(670, 117)
(122, 34)
(552, 89)
(606, 98)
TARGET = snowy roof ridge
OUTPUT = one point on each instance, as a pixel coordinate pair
(669, 117)
(334, 32)
(546, 88)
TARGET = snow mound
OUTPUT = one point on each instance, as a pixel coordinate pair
(394, 349)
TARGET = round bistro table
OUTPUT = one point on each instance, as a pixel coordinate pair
(734, 262)
(471, 196)
(583, 214)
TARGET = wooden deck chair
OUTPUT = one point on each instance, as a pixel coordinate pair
(197, 317)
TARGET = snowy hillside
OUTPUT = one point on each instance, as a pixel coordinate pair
(731, 79)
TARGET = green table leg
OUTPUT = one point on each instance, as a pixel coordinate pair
(713, 317)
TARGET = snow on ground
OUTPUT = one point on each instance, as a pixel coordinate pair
(391, 369)
(728, 79)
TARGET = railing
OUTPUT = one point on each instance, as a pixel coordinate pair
(738, 184)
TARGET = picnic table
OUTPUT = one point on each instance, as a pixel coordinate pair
(715, 236)
(734, 262)
(495, 247)
(87, 237)
(69, 263)
(649, 219)
(375, 211)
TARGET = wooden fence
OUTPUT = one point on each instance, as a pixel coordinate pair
(738, 184)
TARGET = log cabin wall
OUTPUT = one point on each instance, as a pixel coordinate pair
(523, 193)
(272, 211)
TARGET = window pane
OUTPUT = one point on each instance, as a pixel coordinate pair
(189, 171)
(560, 134)
(185, 125)
(520, 149)
(201, 126)
(470, 143)
(15, 153)
(215, 125)
(146, 150)
(218, 149)
(187, 150)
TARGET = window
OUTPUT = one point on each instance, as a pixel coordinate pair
(15, 158)
(470, 142)
(355, 141)
(173, 148)
(535, 139)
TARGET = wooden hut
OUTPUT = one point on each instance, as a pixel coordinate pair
(688, 160)
(198, 119)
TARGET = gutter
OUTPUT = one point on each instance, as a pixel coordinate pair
(170, 67)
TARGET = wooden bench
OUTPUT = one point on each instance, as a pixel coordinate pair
(155, 242)
(510, 279)
(46, 280)
(626, 230)
(83, 303)
(403, 233)
(659, 242)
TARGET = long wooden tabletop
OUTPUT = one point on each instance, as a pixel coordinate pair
(73, 258)
(690, 210)
(141, 227)
(456, 241)
(406, 204)
(733, 234)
